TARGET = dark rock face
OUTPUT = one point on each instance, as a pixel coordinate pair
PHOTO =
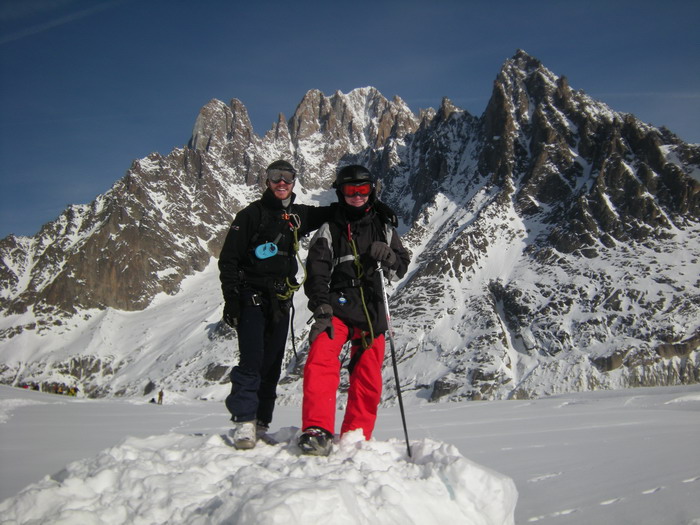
(554, 240)
(596, 198)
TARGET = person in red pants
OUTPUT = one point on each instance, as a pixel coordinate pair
(345, 297)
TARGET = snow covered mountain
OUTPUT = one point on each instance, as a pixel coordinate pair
(555, 248)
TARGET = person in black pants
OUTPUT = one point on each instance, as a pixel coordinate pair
(258, 266)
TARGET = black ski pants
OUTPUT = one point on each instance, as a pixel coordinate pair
(261, 342)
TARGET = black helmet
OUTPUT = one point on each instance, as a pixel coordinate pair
(281, 165)
(352, 174)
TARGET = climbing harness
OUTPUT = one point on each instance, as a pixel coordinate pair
(282, 291)
(294, 222)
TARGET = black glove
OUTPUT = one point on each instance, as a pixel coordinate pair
(322, 322)
(380, 251)
(232, 311)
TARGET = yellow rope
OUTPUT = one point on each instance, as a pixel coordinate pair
(292, 288)
(360, 274)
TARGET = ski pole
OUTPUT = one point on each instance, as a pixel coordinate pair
(393, 354)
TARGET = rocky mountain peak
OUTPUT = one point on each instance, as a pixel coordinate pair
(218, 125)
(324, 129)
(363, 116)
(523, 62)
(281, 129)
(551, 139)
(447, 108)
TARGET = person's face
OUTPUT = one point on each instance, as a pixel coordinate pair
(356, 194)
(281, 183)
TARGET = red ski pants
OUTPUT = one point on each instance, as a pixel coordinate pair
(322, 377)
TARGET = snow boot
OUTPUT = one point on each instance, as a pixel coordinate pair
(315, 441)
(244, 435)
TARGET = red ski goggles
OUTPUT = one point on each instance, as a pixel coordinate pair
(350, 190)
(277, 176)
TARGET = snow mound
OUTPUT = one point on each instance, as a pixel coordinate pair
(174, 478)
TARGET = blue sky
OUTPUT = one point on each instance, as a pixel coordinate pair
(87, 86)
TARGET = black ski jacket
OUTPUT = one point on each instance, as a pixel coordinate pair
(262, 221)
(333, 276)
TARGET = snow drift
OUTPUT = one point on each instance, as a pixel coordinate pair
(199, 479)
